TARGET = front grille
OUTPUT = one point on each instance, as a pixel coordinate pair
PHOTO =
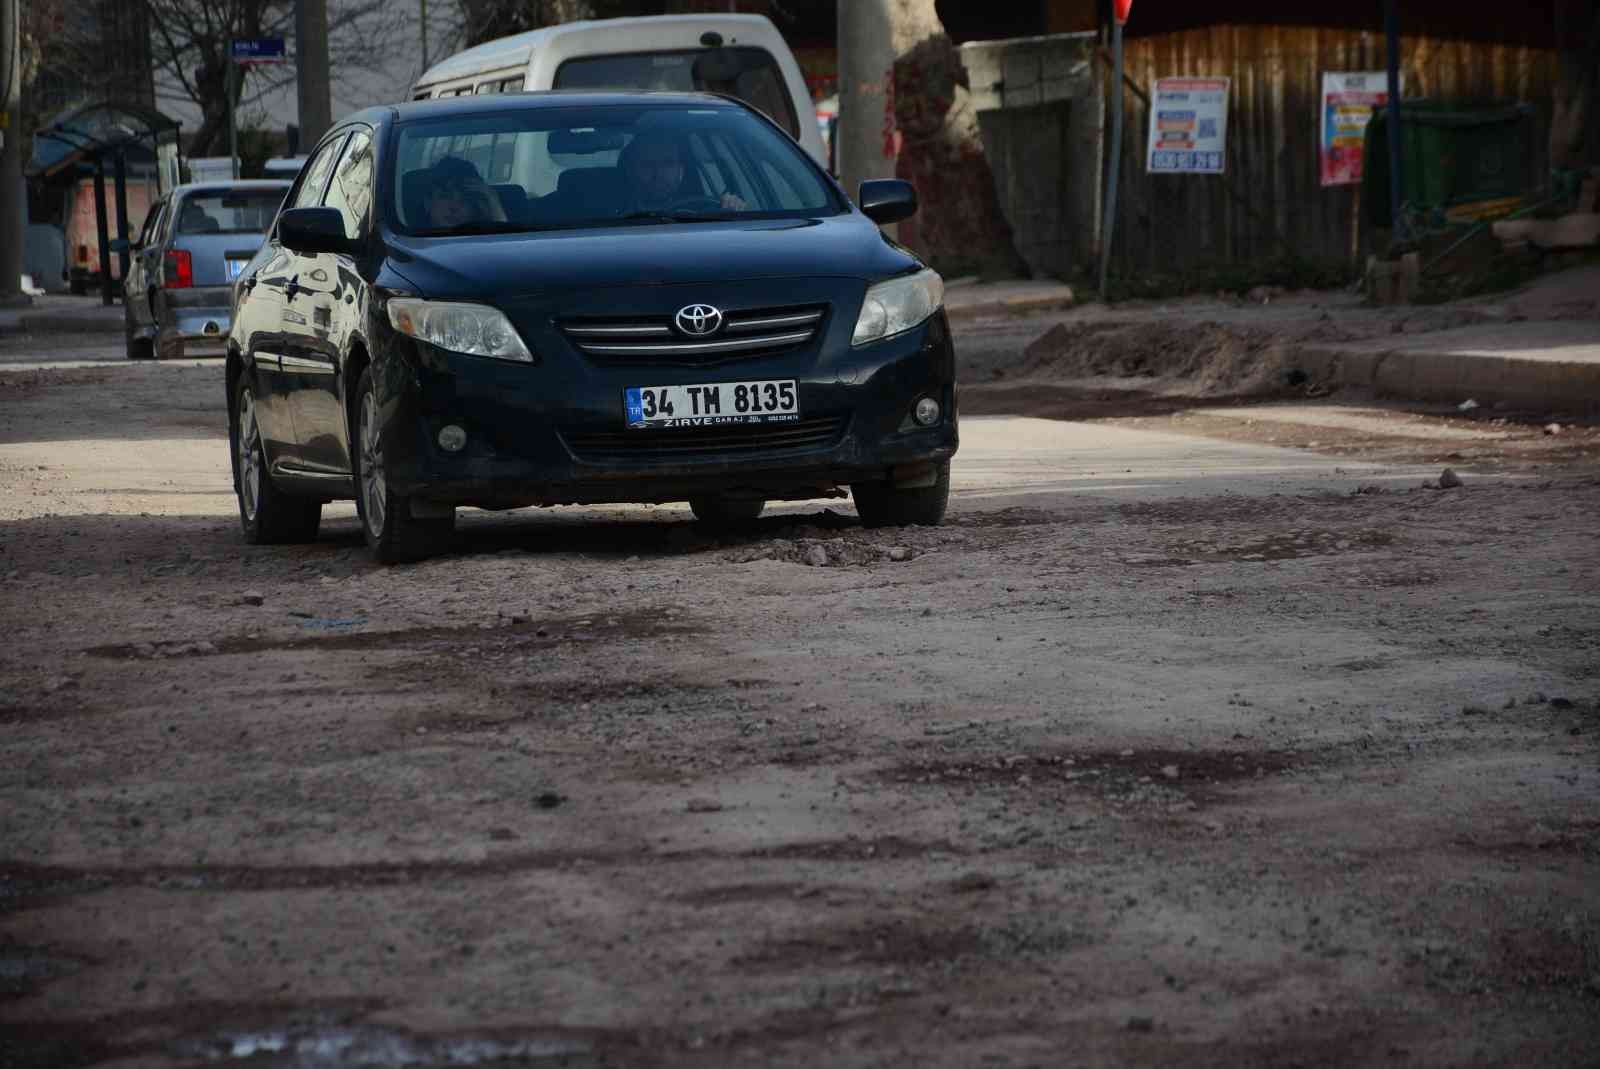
(652, 341)
(724, 441)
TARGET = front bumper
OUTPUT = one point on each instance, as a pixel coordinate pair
(554, 433)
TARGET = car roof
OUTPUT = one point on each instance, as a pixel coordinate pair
(243, 185)
(490, 103)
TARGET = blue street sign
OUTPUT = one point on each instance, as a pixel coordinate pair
(259, 50)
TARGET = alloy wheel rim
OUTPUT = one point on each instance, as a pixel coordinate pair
(249, 456)
(372, 484)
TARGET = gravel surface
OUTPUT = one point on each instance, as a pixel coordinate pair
(1301, 773)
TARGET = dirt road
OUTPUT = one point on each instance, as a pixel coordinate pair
(1174, 746)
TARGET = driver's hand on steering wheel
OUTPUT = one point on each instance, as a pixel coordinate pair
(733, 202)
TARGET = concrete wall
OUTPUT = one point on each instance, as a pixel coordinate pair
(1040, 108)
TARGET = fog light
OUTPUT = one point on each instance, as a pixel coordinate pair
(927, 412)
(452, 439)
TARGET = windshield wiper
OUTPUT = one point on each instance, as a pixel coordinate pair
(679, 217)
(489, 226)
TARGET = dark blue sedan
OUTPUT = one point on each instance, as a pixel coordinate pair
(554, 298)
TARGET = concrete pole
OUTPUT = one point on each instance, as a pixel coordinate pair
(13, 201)
(866, 73)
(311, 69)
(235, 79)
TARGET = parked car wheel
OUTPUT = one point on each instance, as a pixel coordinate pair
(267, 514)
(138, 348)
(726, 511)
(393, 534)
(882, 505)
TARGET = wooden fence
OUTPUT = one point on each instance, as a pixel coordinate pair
(1270, 201)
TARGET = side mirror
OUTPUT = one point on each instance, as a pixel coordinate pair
(887, 200)
(313, 230)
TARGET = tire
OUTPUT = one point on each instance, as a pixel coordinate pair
(881, 505)
(726, 511)
(267, 514)
(138, 348)
(393, 534)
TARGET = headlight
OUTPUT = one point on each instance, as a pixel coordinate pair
(474, 329)
(898, 304)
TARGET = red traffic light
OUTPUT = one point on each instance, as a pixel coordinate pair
(1120, 9)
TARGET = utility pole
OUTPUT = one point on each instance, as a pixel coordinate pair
(12, 196)
(311, 69)
(235, 77)
(866, 82)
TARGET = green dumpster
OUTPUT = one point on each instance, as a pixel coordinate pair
(1453, 154)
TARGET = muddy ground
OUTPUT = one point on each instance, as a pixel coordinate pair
(1301, 771)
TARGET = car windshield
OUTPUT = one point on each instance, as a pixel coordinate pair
(548, 168)
(229, 212)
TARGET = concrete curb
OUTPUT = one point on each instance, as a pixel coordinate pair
(1556, 385)
(1011, 306)
(47, 323)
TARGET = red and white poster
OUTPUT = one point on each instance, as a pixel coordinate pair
(1348, 101)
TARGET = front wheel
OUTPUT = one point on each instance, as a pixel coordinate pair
(267, 514)
(884, 505)
(393, 534)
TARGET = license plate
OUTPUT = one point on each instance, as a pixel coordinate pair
(234, 267)
(712, 404)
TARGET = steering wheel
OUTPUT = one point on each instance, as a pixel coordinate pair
(697, 202)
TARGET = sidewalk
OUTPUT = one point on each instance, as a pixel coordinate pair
(56, 313)
(1553, 364)
(966, 299)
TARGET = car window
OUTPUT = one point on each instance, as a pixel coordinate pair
(309, 192)
(351, 188)
(591, 166)
(228, 211)
(512, 85)
(152, 223)
(751, 74)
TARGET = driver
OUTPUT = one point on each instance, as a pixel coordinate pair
(653, 166)
(456, 194)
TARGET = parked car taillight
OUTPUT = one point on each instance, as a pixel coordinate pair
(179, 271)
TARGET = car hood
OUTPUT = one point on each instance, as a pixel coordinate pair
(497, 266)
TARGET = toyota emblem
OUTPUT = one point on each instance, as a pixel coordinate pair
(699, 319)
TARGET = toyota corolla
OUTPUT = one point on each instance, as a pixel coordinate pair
(553, 298)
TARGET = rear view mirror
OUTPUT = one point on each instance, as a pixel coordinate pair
(584, 142)
(887, 200)
(313, 230)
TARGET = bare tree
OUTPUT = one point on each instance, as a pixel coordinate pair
(188, 50)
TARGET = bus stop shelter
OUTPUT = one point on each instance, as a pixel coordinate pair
(83, 140)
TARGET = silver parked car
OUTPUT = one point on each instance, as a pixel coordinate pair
(178, 296)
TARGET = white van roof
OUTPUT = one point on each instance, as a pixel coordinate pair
(514, 51)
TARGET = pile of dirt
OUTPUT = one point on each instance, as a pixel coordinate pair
(1202, 359)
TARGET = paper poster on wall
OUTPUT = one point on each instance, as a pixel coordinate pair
(1348, 101)
(1188, 126)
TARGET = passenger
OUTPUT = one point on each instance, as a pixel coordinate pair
(457, 194)
(653, 166)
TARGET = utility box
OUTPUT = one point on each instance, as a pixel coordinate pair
(1452, 155)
